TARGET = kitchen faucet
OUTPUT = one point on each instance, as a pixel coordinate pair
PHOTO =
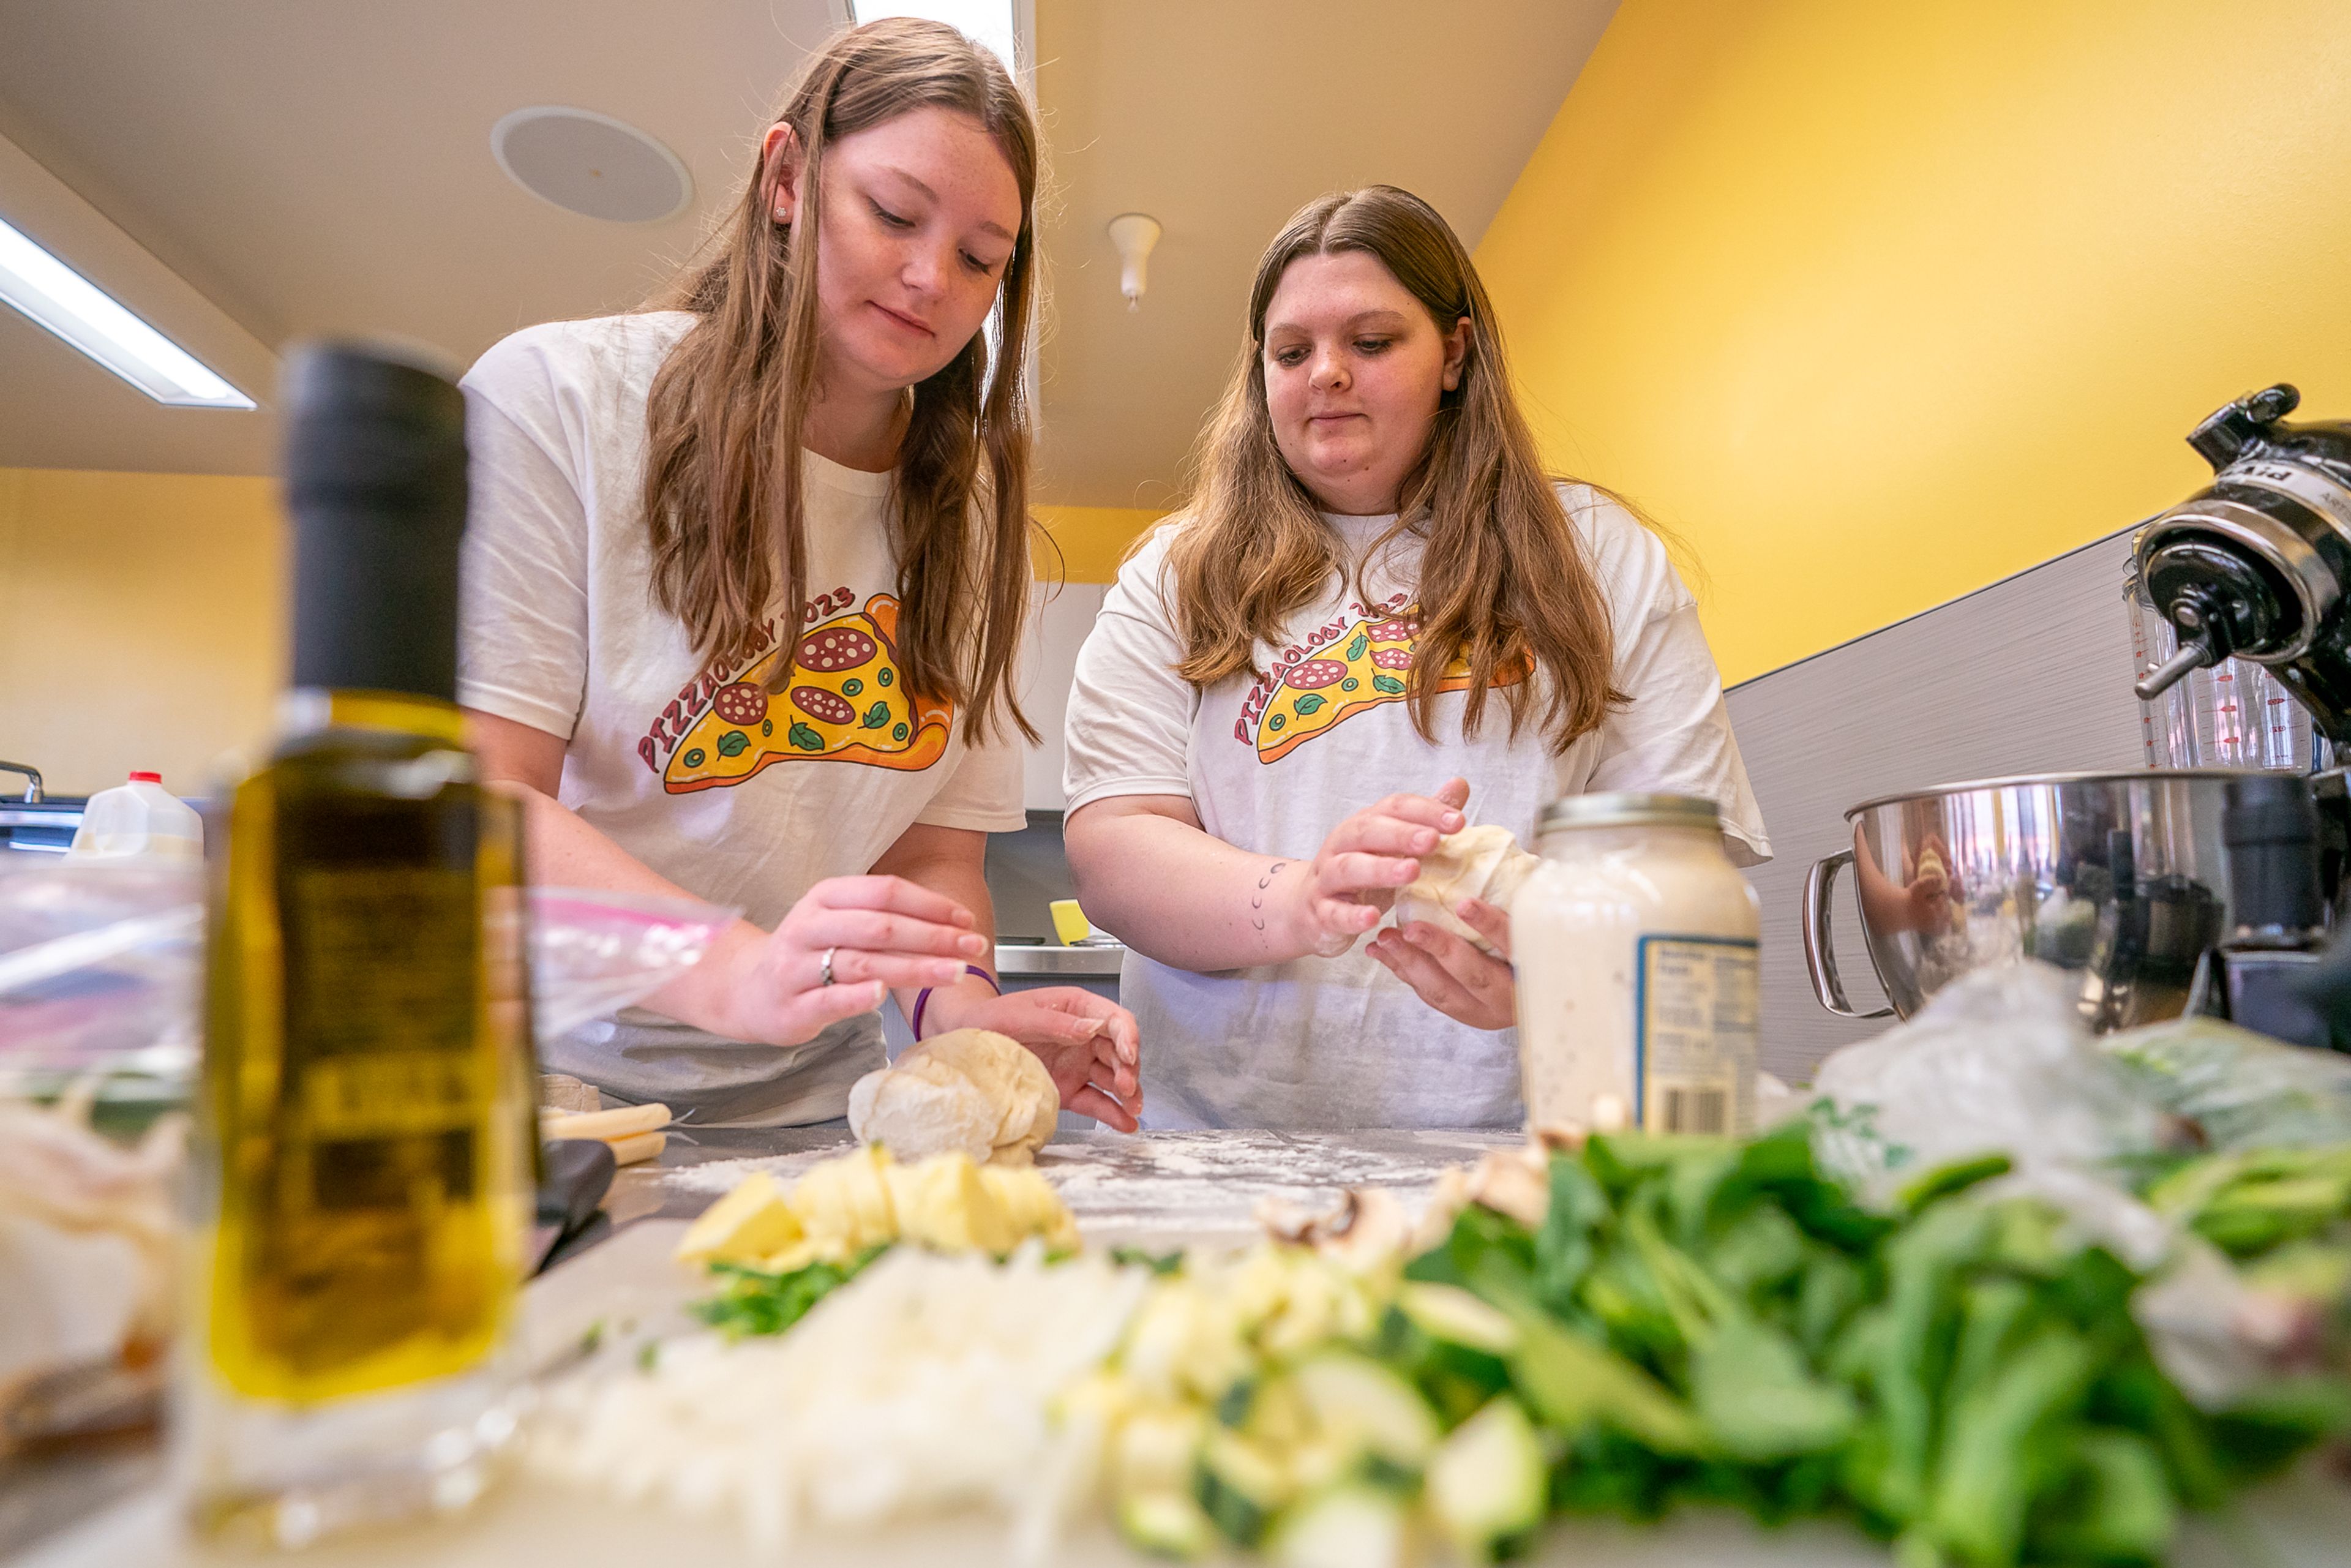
(33, 780)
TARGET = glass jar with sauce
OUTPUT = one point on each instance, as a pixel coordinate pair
(1635, 943)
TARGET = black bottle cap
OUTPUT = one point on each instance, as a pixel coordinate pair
(375, 479)
(2271, 828)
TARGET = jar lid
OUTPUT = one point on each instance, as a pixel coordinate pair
(1628, 810)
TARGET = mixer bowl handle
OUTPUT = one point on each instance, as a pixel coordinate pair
(1820, 950)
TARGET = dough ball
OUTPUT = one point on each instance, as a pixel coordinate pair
(920, 1107)
(970, 1088)
(1010, 1074)
(1483, 861)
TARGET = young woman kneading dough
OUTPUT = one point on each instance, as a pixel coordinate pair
(744, 584)
(1375, 600)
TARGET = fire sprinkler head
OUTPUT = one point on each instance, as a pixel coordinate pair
(1133, 233)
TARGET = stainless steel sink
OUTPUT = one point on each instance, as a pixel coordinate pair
(44, 827)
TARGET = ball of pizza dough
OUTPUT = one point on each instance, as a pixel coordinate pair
(971, 1090)
(919, 1108)
(1484, 862)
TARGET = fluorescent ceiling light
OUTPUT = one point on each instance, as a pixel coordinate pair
(62, 300)
(988, 23)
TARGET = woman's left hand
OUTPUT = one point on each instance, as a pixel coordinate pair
(1087, 1042)
(1451, 975)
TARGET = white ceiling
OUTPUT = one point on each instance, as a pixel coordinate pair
(314, 167)
(1221, 118)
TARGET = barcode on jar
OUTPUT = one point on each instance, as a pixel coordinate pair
(1695, 1110)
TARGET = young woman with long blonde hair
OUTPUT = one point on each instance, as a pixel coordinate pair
(745, 579)
(1377, 617)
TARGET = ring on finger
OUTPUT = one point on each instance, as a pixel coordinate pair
(826, 975)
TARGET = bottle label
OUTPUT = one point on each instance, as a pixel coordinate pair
(367, 1221)
(382, 995)
(1694, 1034)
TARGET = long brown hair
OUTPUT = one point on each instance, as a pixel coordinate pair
(723, 492)
(1504, 583)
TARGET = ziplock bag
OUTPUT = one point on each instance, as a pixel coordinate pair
(101, 964)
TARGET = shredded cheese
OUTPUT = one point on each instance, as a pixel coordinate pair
(925, 1385)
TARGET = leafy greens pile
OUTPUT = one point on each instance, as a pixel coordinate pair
(1708, 1321)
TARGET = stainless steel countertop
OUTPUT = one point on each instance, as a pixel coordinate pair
(1100, 959)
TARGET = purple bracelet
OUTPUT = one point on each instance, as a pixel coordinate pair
(923, 997)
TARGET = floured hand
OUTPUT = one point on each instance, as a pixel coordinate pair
(1363, 863)
(1452, 974)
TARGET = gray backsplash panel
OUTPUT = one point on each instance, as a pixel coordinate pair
(2029, 675)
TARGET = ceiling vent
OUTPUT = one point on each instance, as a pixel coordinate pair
(591, 164)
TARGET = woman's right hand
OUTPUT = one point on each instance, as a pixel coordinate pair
(882, 931)
(1354, 878)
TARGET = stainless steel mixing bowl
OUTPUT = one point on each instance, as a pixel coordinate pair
(2116, 877)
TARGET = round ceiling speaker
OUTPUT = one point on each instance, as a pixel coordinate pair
(591, 164)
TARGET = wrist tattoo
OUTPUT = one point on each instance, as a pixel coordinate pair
(1256, 899)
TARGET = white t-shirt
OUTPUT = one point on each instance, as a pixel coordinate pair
(1272, 764)
(689, 764)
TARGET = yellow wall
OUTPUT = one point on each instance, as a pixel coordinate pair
(1875, 303)
(140, 624)
(142, 618)
(1092, 539)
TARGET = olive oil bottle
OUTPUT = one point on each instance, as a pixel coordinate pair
(364, 1161)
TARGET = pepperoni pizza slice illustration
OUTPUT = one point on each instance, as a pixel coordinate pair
(845, 700)
(1369, 666)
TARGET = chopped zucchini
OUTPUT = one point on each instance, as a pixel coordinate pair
(1269, 1408)
(1379, 1470)
(1241, 1485)
(1347, 1527)
(1166, 1524)
(1453, 1316)
(1156, 1448)
(1357, 1400)
(1488, 1483)
(1320, 1462)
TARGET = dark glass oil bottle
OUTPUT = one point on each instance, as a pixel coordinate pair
(364, 1163)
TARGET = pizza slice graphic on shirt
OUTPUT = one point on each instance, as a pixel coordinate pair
(846, 701)
(1370, 666)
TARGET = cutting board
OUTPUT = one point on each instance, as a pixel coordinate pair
(1130, 1191)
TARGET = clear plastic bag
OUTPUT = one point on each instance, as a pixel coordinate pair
(2242, 1090)
(100, 964)
(1999, 1061)
(593, 953)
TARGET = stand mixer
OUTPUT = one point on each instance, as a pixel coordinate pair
(2257, 566)
(2127, 882)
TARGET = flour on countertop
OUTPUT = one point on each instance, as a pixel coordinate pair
(1171, 1188)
